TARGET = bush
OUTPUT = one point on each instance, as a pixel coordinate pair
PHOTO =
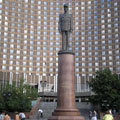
(19, 98)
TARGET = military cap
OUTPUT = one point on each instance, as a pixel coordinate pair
(66, 5)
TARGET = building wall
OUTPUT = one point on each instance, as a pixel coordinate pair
(30, 41)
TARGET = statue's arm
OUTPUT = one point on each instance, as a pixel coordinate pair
(71, 26)
(59, 24)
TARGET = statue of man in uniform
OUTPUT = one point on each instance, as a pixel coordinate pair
(65, 26)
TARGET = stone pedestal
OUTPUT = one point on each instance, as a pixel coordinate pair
(66, 107)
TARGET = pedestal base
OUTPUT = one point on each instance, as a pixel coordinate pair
(66, 112)
(66, 107)
(66, 118)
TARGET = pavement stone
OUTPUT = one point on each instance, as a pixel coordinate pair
(48, 108)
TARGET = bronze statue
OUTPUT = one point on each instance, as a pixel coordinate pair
(65, 26)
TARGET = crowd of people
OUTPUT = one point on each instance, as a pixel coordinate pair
(109, 115)
(93, 115)
(6, 116)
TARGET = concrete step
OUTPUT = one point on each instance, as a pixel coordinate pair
(49, 107)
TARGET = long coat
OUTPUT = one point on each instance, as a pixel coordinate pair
(65, 22)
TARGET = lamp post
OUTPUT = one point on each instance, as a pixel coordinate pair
(6, 96)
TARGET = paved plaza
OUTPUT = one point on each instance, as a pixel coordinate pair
(48, 108)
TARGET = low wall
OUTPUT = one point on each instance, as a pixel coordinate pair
(34, 108)
(28, 114)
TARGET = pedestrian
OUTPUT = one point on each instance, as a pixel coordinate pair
(17, 117)
(22, 116)
(90, 115)
(110, 111)
(2, 115)
(108, 116)
(114, 112)
(6, 117)
(94, 115)
(40, 113)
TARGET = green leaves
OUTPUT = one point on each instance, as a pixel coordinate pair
(106, 87)
(18, 98)
(2, 104)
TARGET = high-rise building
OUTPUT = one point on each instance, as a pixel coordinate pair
(30, 41)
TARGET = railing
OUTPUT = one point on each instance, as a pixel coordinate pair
(51, 88)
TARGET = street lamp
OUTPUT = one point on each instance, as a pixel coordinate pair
(6, 95)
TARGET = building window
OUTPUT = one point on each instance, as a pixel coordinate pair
(3, 67)
(17, 68)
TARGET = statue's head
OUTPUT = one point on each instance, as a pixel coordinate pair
(65, 7)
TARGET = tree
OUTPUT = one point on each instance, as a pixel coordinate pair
(2, 103)
(106, 87)
(18, 98)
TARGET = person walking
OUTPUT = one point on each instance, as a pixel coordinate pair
(22, 116)
(108, 116)
(17, 117)
(2, 115)
(90, 115)
(7, 117)
(94, 116)
(40, 113)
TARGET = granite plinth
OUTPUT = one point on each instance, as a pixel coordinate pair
(66, 118)
(66, 107)
(66, 52)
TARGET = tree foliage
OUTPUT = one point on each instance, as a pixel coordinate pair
(106, 87)
(18, 98)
